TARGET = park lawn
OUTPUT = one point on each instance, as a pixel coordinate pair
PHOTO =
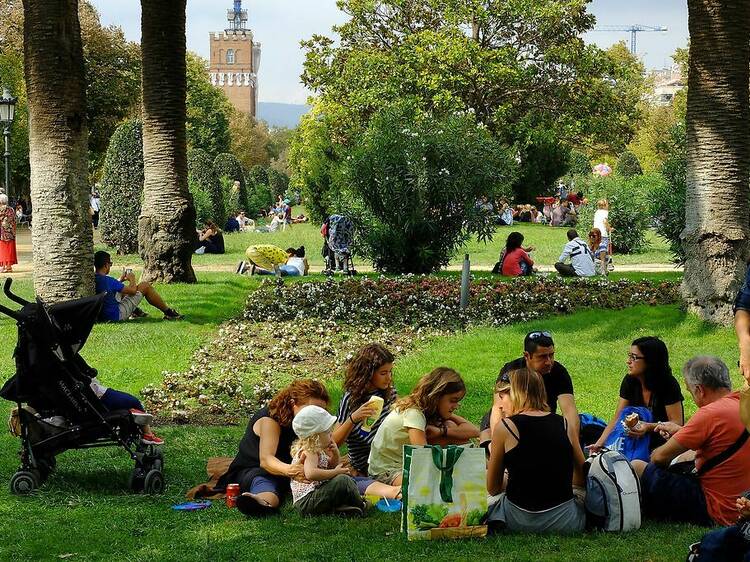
(85, 509)
(548, 241)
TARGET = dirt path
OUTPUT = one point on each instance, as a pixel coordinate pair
(25, 267)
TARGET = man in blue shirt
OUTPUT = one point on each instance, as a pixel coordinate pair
(122, 300)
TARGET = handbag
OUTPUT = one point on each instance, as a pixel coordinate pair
(444, 492)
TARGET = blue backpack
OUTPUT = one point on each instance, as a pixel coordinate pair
(590, 430)
(631, 448)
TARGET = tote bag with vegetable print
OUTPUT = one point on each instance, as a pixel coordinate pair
(444, 492)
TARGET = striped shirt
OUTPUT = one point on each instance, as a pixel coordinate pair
(358, 442)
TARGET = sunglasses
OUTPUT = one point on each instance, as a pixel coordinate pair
(503, 379)
(537, 335)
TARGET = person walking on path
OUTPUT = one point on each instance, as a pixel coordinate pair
(8, 257)
(95, 204)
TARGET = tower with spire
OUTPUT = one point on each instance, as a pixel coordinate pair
(235, 59)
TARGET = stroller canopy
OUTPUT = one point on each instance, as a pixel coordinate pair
(340, 233)
(69, 324)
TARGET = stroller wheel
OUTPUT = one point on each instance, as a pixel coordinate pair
(136, 480)
(154, 482)
(23, 482)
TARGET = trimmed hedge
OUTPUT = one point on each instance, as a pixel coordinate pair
(121, 188)
(628, 165)
(202, 178)
(229, 170)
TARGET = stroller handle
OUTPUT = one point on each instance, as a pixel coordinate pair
(4, 309)
(12, 296)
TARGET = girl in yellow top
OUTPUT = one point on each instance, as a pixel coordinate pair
(427, 415)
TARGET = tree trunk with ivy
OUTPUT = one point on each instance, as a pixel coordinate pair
(166, 226)
(717, 214)
(62, 237)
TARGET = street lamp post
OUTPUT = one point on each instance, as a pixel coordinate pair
(7, 113)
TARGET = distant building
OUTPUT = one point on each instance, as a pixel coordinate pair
(667, 82)
(234, 61)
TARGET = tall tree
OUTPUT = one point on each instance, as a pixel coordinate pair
(62, 236)
(716, 232)
(166, 226)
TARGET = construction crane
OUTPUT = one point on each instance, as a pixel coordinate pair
(633, 29)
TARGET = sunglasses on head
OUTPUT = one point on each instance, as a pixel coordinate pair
(504, 378)
(537, 335)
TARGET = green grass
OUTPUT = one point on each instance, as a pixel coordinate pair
(548, 241)
(86, 510)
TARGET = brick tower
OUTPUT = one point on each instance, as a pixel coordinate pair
(235, 59)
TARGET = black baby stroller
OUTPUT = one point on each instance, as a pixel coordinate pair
(339, 237)
(56, 408)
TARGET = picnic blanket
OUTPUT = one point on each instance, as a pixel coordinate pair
(216, 467)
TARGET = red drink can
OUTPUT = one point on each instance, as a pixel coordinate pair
(233, 490)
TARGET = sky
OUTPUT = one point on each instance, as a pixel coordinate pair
(280, 25)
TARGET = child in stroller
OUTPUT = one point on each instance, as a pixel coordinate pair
(58, 407)
(338, 237)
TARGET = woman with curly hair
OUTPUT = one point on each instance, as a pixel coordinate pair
(368, 374)
(263, 466)
(427, 415)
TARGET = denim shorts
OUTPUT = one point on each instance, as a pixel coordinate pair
(742, 300)
(264, 484)
(673, 497)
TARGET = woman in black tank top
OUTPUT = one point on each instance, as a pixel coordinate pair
(542, 464)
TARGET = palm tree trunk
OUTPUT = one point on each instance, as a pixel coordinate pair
(166, 227)
(717, 214)
(62, 237)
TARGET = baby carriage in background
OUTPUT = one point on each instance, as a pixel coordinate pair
(338, 234)
(56, 408)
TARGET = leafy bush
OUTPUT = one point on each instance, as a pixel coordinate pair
(628, 208)
(579, 164)
(203, 205)
(202, 176)
(229, 170)
(628, 165)
(668, 198)
(412, 187)
(259, 174)
(278, 182)
(543, 160)
(121, 188)
(261, 199)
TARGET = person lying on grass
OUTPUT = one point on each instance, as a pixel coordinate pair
(369, 374)
(427, 415)
(122, 300)
(328, 486)
(263, 465)
(538, 494)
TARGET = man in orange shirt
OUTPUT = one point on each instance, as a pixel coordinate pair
(715, 429)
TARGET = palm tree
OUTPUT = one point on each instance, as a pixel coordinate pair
(166, 226)
(718, 161)
(62, 237)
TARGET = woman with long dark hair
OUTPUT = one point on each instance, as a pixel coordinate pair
(649, 383)
(515, 258)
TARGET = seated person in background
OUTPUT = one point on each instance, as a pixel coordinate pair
(296, 265)
(210, 239)
(600, 249)
(715, 429)
(524, 214)
(538, 496)
(576, 198)
(535, 214)
(506, 214)
(232, 225)
(539, 356)
(547, 212)
(649, 383)
(571, 217)
(122, 300)
(276, 223)
(117, 400)
(581, 258)
(559, 213)
(515, 259)
(300, 219)
(244, 222)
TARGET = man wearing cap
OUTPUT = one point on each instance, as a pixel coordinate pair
(539, 356)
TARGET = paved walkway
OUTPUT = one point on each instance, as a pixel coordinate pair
(25, 267)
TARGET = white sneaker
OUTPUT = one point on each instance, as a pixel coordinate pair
(201, 250)
(241, 268)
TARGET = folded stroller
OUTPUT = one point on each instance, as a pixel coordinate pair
(337, 248)
(56, 408)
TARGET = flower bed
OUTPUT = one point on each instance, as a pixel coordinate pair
(312, 329)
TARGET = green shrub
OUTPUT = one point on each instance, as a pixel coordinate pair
(628, 165)
(203, 204)
(259, 174)
(278, 182)
(668, 199)
(202, 175)
(579, 164)
(261, 199)
(229, 170)
(121, 188)
(628, 208)
(543, 160)
(412, 187)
